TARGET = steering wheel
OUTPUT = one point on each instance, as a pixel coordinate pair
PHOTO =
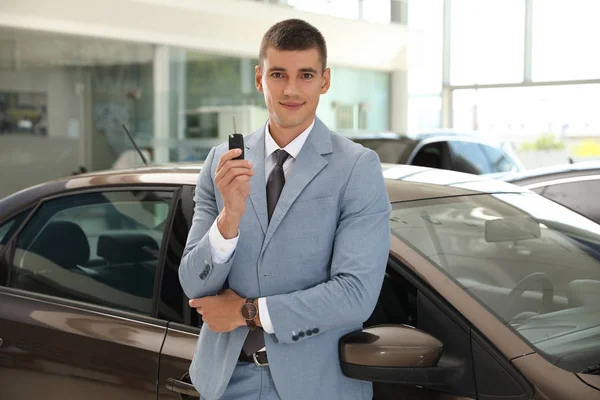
(526, 283)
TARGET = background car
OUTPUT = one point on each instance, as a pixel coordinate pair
(575, 185)
(444, 150)
(491, 291)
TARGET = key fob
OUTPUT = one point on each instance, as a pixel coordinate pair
(236, 141)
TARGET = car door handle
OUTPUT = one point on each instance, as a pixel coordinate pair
(178, 386)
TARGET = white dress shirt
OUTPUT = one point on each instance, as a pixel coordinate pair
(221, 248)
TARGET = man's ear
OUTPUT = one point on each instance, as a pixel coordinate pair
(325, 81)
(258, 78)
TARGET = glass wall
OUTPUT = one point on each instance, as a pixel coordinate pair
(217, 88)
(357, 102)
(63, 100)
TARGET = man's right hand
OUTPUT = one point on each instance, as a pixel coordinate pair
(232, 177)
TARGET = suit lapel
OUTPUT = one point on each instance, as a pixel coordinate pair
(308, 164)
(258, 193)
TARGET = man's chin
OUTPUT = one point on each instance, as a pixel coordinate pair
(288, 123)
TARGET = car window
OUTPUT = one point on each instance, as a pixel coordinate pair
(5, 228)
(433, 155)
(8, 227)
(96, 247)
(581, 196)
(469, 157)
(389, 150)
(530, 261)
(497, 159)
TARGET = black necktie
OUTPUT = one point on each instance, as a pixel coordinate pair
(255, 339)
(276, 181)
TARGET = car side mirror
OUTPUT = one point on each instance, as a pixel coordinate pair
(399, 346)
(395, 354)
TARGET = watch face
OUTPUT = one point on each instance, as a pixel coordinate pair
(249, 311)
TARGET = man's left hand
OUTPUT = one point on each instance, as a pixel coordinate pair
(221, 313)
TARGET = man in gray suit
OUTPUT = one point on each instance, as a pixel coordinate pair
(288, 247)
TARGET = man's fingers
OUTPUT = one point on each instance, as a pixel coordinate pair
(199, 302)
(226, 178)
(226, 161)
(230, 155)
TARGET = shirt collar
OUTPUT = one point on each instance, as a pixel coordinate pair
(293, 148)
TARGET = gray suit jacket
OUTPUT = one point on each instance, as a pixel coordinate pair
(320, 263)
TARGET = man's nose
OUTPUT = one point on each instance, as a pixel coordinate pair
(290, 88)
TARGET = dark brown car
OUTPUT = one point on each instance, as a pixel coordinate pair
(491, 291)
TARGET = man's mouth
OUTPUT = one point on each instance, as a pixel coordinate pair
(292, 106)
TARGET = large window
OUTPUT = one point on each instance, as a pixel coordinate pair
(565, 40)
(100, 247)
(527, 112)
(487, 41)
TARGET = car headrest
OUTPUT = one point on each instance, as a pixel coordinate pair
(127, 248)
(64, 243)
(584, 292)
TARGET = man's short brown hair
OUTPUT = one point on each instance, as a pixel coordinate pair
(293, 35)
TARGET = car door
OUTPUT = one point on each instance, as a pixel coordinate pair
(470, 366)
(77, 310)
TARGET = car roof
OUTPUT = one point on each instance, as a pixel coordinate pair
(434, 135)
(404, 183)
(542, 174)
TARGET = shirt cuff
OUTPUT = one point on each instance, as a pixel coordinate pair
(221, 248)
(265, 320)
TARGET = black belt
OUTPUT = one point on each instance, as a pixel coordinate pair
(259, 358)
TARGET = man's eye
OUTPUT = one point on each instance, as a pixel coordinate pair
(276, 75)
(307, 76)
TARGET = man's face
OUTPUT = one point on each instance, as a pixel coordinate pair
(292, 82)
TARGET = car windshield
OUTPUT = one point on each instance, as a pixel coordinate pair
(530, 261)
(390, 151)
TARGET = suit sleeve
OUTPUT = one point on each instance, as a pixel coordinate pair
(199, 275)
(360, 254)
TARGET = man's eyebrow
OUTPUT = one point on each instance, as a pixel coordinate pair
(281, 69)
(312, 70)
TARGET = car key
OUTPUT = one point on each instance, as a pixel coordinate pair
(236, 141)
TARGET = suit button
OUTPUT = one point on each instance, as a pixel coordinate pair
(316, 330)
(295, 338)
(308, 332)
(301, 334)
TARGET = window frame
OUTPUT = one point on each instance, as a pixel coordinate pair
(9, 252)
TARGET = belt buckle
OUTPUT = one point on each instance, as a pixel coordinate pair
(256, 361)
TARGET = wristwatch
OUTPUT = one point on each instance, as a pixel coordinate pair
(250, 312)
